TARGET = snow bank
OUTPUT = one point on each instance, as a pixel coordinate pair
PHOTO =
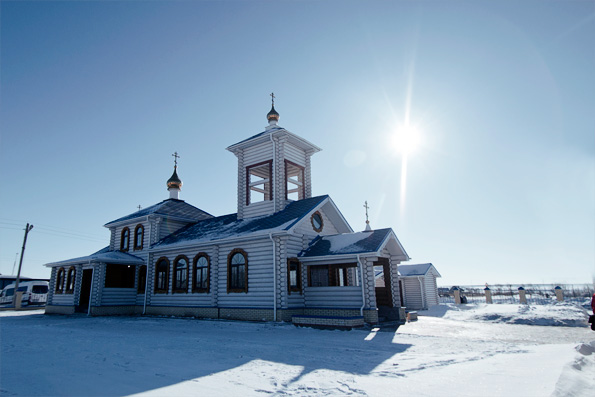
(578, 377)
(556, 314)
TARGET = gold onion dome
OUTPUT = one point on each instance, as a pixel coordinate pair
(273, 115)
(174, 182)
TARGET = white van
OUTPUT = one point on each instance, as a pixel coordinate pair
(34, 293)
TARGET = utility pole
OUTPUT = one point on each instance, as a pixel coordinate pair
(15, 262)
(16, 286)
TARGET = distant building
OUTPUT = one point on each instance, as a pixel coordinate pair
(283, 256)
(419, 287)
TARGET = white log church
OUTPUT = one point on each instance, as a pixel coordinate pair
(283, 256)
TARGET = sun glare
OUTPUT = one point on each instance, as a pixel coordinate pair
(406, 139)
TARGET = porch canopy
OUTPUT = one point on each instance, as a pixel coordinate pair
(350, 245)
(102, 256)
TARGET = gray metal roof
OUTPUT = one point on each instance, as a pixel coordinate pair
(229, 226)
(102, 256)
(348, 243)
(420, 269)
(168, 208)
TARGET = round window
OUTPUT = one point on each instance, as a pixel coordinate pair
(317, 221)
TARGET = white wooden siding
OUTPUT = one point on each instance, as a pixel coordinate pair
(295, 154)
(431, 290)
(344, 297)
(118, 296)
(412, 293)
(167, 227)
(305, 226)
(63, 299)
(258, 154)
(258, 209)
(260, 275)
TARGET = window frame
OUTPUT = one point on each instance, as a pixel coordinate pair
(298, 287)
(127, 231)
(230, 288)
(270, 181)
(141, 228)
(174, 287)
(194, 272)
(70, 280)
(166, 289)
(317, 230)
(60, 274)
(301, 190)
(333, 274)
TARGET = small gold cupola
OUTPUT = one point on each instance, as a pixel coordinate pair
(174, 183)
(273, 116)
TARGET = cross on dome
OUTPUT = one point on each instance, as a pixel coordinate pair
(273, 116)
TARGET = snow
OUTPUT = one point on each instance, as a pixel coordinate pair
(465, 350)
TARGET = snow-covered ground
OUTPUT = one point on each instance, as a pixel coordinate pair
(469, 350)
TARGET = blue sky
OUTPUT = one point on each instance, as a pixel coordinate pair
(96, 96)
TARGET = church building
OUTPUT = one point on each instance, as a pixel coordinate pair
(285, 255)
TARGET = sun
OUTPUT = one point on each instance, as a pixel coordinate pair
(406, 139)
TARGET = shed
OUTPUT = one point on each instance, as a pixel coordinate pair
(418, 282)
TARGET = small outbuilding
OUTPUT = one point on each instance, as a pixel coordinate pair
(418, 285)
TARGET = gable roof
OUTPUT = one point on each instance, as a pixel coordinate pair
(348, 243)
(228, 226)
(420, 269)
(171, 208)
(103, 255)
(277, 131)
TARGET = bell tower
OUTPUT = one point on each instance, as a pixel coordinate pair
(273, 169)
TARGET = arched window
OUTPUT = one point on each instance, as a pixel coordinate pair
(125, 239)
(200, 273)
(70, 278)
(317, 222)
(237, 271)
(181, 274)
(142, 279)
(162, 276)
(60, 280)
(139, 233)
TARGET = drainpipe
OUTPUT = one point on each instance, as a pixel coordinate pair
(361, 272)
(91, 291)
(274, 279)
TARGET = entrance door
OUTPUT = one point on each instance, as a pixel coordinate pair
(382, 278)
(85, 295)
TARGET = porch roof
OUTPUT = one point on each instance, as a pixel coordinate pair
(102, 256)
(420, 269)
(349, 243)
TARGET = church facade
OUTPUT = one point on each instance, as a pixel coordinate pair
(283, 256)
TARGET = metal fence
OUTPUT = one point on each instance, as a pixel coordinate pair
(536, 294)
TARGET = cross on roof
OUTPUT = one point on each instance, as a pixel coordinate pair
(139, 207)
(176, 158)
(367, 208)
(273, 98)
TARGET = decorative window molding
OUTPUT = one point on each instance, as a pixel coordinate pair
(142, 279)
(201, 270)
(60, 280)
(125, 239)
(237, 271)
(162, 276)
(139, 234)
(294, 181)
(70, 279)
(317, 222)
(294, 276)
(180, 280)
(259, 186)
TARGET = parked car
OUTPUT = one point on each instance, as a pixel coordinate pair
(34, 293)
